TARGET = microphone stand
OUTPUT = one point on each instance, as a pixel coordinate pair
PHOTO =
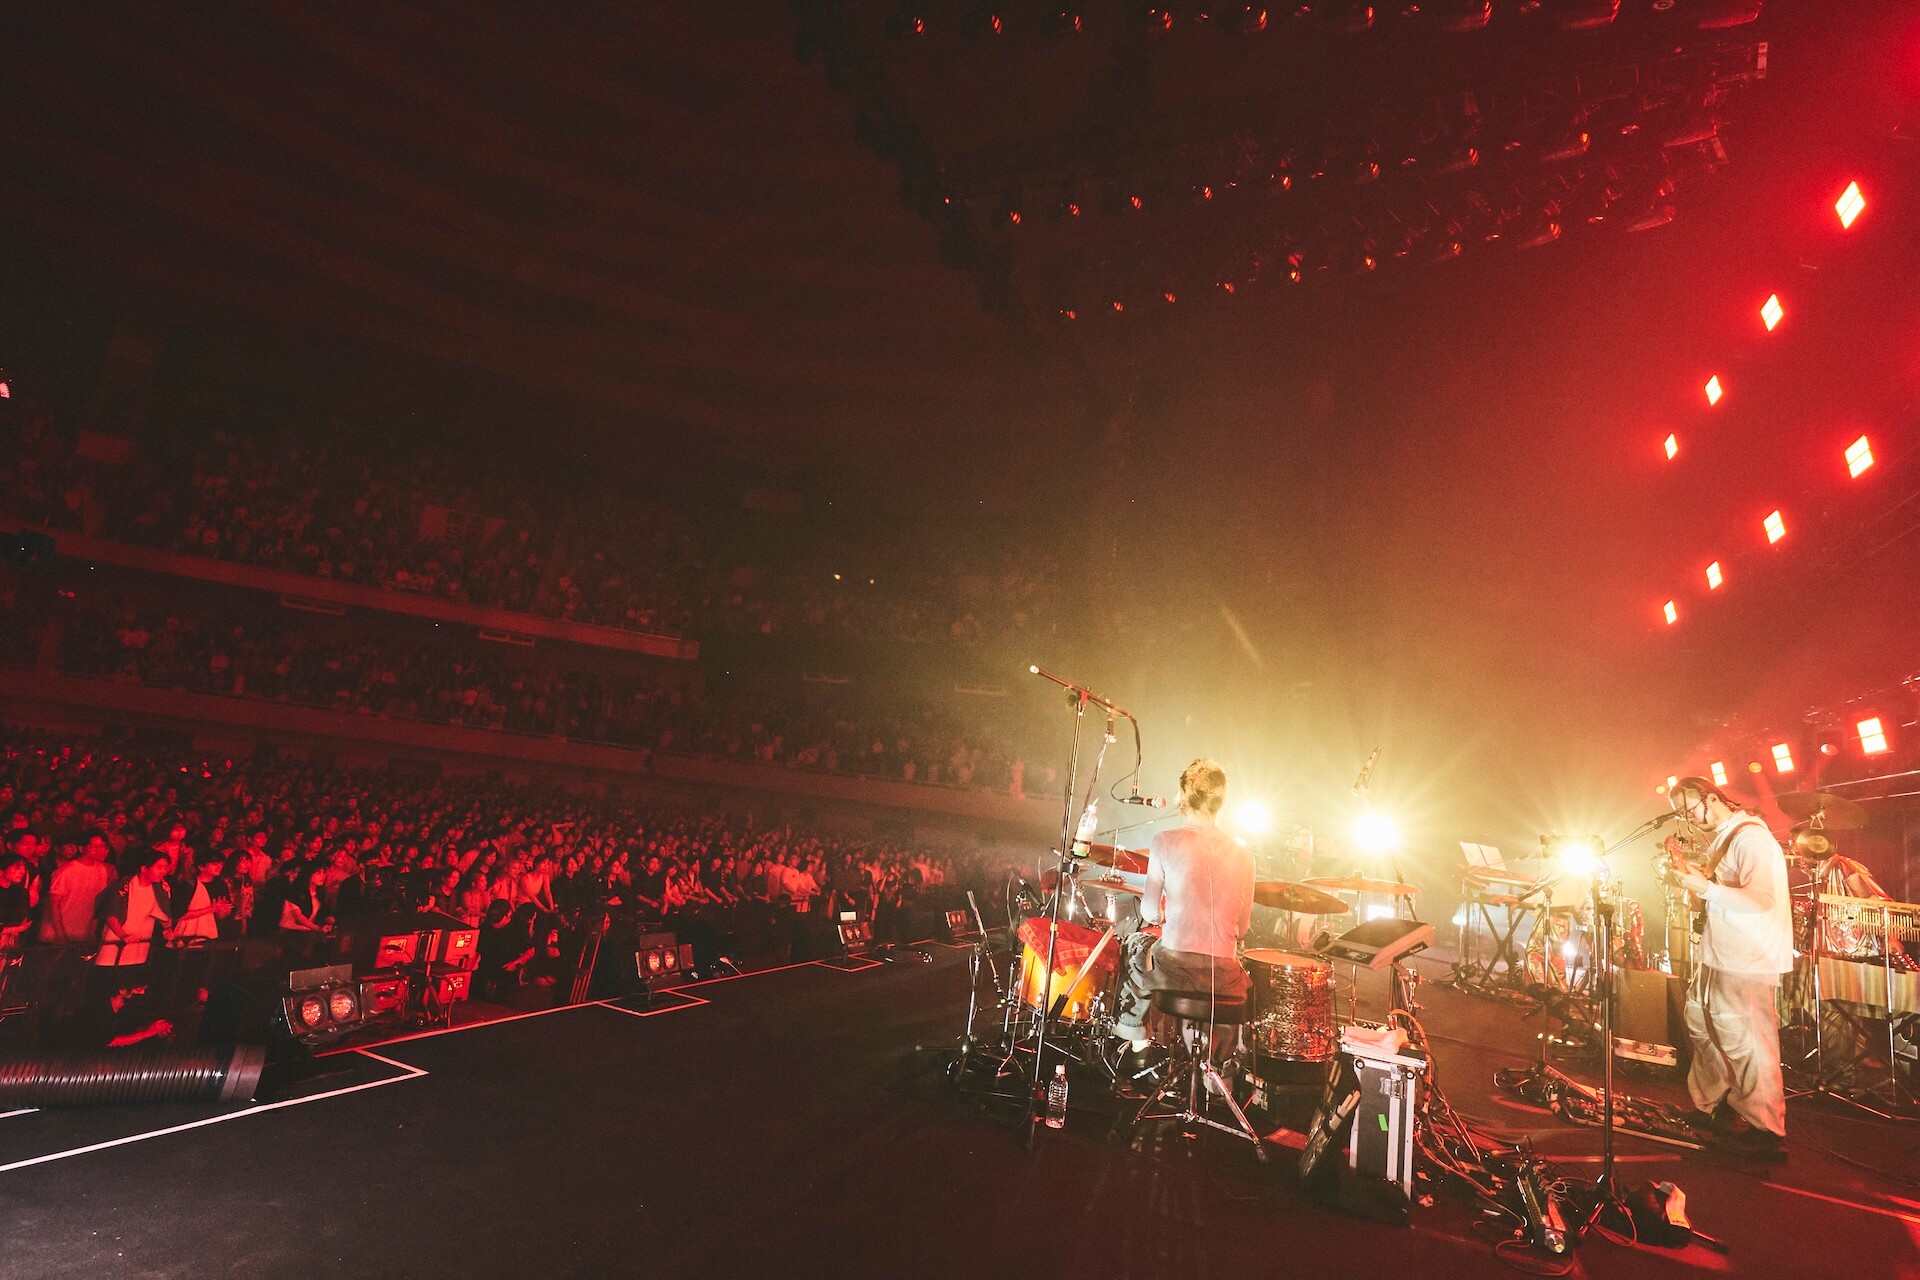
(1079, 697)
(1606, 1187)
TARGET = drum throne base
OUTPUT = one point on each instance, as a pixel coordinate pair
(1189, 1071)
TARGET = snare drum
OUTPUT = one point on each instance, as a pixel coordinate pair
(1075, 944)
(1292, 1006)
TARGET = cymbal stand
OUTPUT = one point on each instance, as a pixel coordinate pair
(979, 959)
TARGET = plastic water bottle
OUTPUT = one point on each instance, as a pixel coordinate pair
(1057, 1098)
(1089, 824)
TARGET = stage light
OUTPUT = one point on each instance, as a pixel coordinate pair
(1873, 738)
(1673, 780)
(909, 19)
(1673, 614)
(1859, 457)
(1771, 312)
(1714, 578)
(1719, 772)
(343, 1004)
(1753, 766)
(1381, 911)
(1252, 818)
(1657, 214)
(1063, 20)
(1850, 205)
(1672, 445)
(1659, 788)
(1577, 855)
(983, 20)
(1376, 833)
(1775, 526)
(313, 1012)
(6, 391)
(1713, 389)
(1782, 758)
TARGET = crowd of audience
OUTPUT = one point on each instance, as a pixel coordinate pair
(435, 522)
(122, 848)
(235, 648)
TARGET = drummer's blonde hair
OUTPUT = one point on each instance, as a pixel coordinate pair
(1203, 787)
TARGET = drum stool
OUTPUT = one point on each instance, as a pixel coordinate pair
(1190, 1068)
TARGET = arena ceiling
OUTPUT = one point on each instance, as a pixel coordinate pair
(618, 229)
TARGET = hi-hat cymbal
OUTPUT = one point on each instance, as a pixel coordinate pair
(1091, 885)
(1109, 886)
(1837, 813)
(1128, 860)
(1361, 884)
(1288, 896)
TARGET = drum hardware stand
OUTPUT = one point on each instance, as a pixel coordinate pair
(1078, 698)
(979, 958)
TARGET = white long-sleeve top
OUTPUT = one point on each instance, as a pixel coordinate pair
(1199, 888)
(1749, 915)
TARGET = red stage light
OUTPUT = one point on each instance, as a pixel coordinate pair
(6, 392)
(1771, 312)
(1713, 575)
(1118, 305)
(1873, 737)
(1713, 389)
(1134, 201)
(1168, 296)
(1719, 771)
(1859, 457)
(1782, 757)
(1850, 205)
(1673, 614)
(1070, 313)
(1672, 445)
(1776, 527)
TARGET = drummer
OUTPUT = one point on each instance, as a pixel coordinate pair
(1197, 905)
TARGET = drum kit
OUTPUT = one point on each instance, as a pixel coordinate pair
(1292, 1000)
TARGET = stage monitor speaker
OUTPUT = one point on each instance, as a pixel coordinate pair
(1648, 1016)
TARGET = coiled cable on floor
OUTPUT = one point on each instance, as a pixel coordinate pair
(92, 1078)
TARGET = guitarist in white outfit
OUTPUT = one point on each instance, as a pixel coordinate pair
(1731, 1013)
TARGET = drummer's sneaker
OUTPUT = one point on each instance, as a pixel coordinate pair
(1137, 1074)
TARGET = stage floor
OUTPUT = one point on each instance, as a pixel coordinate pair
(788, 1123)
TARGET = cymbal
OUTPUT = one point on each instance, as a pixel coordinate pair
(1107, 855)
(1361, 884)
(1288, 896)
(1101, 884)
(1837, 812)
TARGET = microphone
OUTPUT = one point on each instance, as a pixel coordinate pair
(1366, 771)
(1151, 802)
